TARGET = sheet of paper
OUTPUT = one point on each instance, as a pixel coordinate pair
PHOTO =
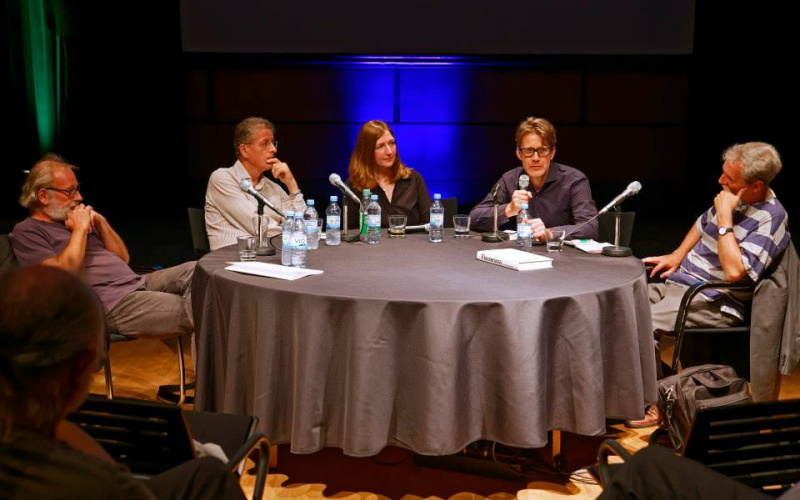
(271, 270)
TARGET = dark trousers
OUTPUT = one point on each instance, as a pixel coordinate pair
(656, 473)
(198, 479)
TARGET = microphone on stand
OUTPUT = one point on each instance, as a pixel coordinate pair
(336, 180)
(246, 185)
(494, 236)
(615, 251)
(633, 188)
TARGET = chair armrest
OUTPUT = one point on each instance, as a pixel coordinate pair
(686, 300)
(606, 447)
(261, 442)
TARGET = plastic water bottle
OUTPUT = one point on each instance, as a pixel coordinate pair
(524, 229)
(374, 221)
(365, 201)
(312, 229)
(299, 241)
(436, 233)
(333, 223)
(286, 248)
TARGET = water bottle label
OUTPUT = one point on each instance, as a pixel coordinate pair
(374, 220)
(524, 230)
(299, 241)
(334, 221)
(437, 220)
(287, 239)
(311, 226)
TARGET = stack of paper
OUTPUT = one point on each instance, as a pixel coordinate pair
(589, 246)
(271, 270)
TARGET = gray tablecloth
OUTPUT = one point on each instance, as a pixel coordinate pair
(422, 345)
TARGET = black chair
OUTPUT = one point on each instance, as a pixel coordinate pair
(151, 438)
(8, 260)
(732, 345)
(606, 224)
(450, 209)
(757, 444)
(197, 224)
(165, 392)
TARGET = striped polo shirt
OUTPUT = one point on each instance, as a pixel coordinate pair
(762, 232)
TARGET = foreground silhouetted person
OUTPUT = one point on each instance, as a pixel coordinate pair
(656, 473)
(51, 342)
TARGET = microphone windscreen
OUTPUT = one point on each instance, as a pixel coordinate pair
(335, 179)
(245, 184)
(634, 187)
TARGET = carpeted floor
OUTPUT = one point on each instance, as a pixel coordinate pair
(140, 366)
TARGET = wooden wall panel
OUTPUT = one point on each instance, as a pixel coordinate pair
(637, 98)
(488, 95)
(303, 94)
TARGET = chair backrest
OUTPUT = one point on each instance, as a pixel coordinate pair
(606, 224)
(756, 443)
(197, 223)
(450, 209)
(148, 437)
(8, 260)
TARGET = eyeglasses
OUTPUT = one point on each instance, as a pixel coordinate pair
(69, 193)
(528, 152)
(266, 144)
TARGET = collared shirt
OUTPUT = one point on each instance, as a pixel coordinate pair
(761, 229)
(35, 240)
(230, 212)
(564, 202)
(410, 198)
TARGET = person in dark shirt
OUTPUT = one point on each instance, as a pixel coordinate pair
(558, 196)
(375, 165)
(64, 232)
(52, 340)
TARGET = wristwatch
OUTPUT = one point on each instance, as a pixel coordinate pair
(724, 230)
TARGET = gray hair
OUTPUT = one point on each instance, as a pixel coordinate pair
(760, 161)
(40, 176)
(246, 129)
(48, 318)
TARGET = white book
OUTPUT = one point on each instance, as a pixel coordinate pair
(515, 259)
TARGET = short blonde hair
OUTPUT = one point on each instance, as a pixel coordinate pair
(540, 126)
(760, 161)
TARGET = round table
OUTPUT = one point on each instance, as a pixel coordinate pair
(422, 345)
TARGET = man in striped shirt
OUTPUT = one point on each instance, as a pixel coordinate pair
(229, 211)
(735, 240)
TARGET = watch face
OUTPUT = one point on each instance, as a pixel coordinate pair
(725, 230)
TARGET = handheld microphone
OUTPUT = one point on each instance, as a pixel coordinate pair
(524, 182)
(631, 190)
(246, 185)
(336, 180)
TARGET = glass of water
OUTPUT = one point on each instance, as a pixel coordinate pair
(397, 226)
(247, 248)
(461, 225)
(555, 239)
